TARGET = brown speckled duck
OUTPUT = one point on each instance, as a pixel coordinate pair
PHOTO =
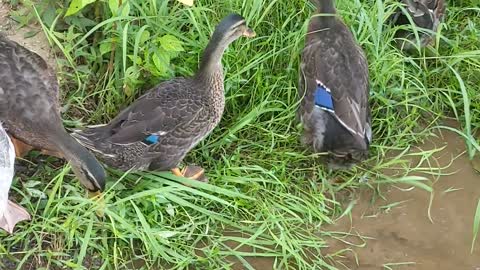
(334, 89)
(158, 129)
(29, 108)
(426, 14)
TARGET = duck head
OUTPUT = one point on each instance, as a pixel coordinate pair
(84, 164)
(227, 31)
(90, 173)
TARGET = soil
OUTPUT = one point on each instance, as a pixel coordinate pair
(405, 237)
(37, 43)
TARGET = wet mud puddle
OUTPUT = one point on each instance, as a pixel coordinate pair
(403, 237)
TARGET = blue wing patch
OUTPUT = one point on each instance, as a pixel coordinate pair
(323, 98)
(151, 139)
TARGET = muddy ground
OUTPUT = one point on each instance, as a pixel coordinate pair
(37, 43)
(404, 237)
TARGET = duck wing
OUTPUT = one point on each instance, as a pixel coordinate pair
(18, 63)
(343, 69)
(166, 109)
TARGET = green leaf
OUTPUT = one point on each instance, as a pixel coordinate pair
(77, 5)
(167, 234)
(145, 37)
(125, 9)
(137, 60)
(170, 210)
(107, 44)
(113, 5)
(105, 48)
(170, 43)
(49, 15)
(476, 226)
(161, 61)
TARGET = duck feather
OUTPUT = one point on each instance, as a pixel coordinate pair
(331, 59)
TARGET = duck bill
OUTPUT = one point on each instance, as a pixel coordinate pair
(249, 33)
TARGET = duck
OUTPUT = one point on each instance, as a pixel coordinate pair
(158, 129)
(30, 111)
(426, 14)
(333, 89)
(10, 212)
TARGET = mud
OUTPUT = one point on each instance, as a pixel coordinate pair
(394, 231)
(37, 43)
(404, 237)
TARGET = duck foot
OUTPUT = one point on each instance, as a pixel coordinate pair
(98, 196)
(21, 148)
(13, 214)
(191, 172)
(52, 153)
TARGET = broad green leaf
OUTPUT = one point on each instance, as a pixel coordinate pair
(114, 7)
(125, 9)
(137, 60)
(161, 62)
(76, 6)
(106, 45)
(145, 36)
(170, 43)
(105, 48)
(131, 79)
(170, 210)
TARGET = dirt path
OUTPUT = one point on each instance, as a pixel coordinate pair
(38, 43)
(405, 238)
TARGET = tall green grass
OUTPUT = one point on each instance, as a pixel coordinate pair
(264, 186)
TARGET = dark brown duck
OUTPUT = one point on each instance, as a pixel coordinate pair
(158, 129)
(334, 89)
(425, 14)
(29, 108)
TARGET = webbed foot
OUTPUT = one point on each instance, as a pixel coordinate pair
(21, 148)
(98, 196)
(191, 172)
(52, 153)
(13, 214)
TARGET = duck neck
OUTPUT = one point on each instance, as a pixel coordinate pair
(328, 11)
(325, 6)
(211, 63)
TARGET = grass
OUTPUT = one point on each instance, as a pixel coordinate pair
(266, 193)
